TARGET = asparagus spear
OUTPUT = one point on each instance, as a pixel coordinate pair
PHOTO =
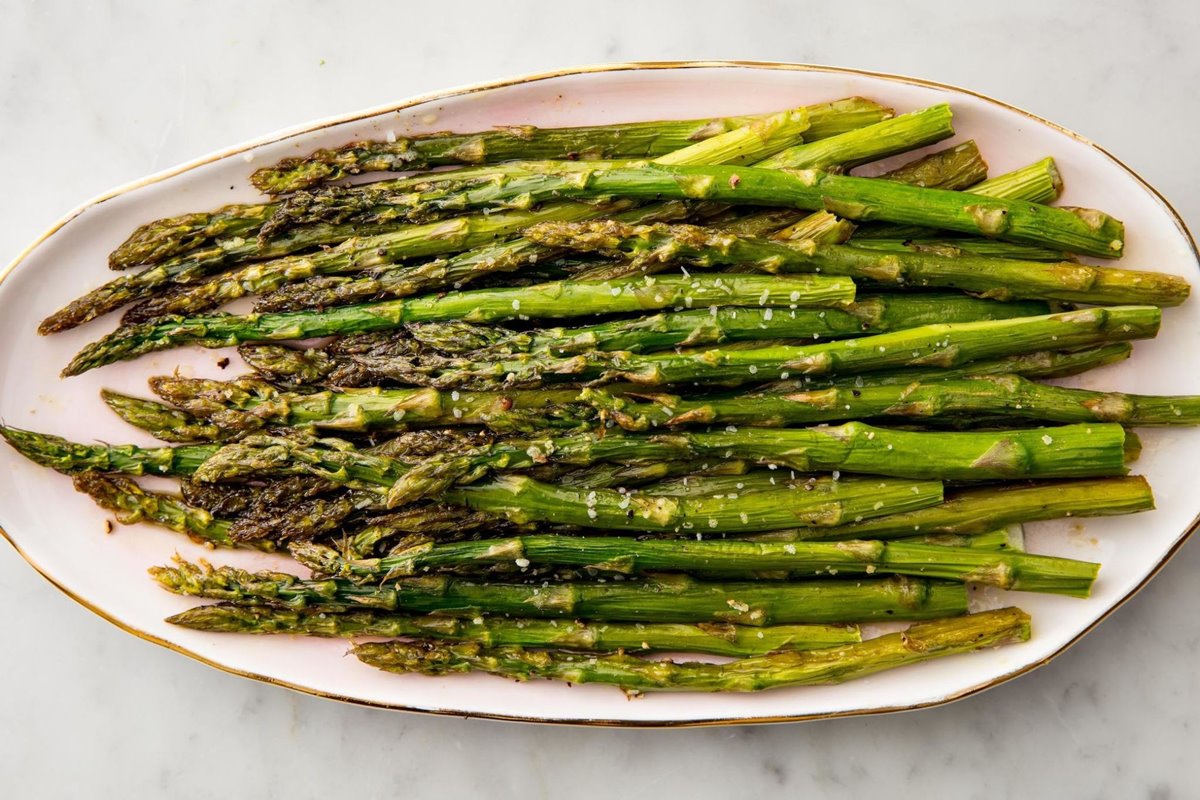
(978, 510)
(957, 168)
(728, 559)
(1045, 364)
(878, 313)
(713, 638)
(247, 404)
(942, 346)
(1000, 395)
(635, 676)
(559, 299)
(161, 421)
(65, 456)
(1038, 182)
(289, 367)
(1078, 230)
(1000, 279)
(662, 599)
(632, 140)
(132, 504)
(741, 144)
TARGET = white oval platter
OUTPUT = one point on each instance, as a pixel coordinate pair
(62, 534)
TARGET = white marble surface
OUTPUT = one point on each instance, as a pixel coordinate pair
(96, 94)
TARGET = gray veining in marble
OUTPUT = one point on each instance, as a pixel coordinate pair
(114, 90)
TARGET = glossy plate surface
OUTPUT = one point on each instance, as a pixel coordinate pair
(62, 533)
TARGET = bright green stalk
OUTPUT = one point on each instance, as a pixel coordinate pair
(713, 638)
(1002, 395)
(974, 511)
(939, 346)
(703, 327)
(658, 600)
(999, 279)
(1038, 182)
(870, 143)
(955, 248)
(956, 168)
(730, 559)
(831, 503)
(564, 298)
(1045, 364)
(634, 676)
(1078, 230)
(65, 456)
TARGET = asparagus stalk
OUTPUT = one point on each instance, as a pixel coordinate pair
(66, 456)
(878, 314)
(132, 504)
(663, 599)
(1000, 279)
(289, 367)
(1078, 230)
(955, 168)
(1001, 395)
(564, 298)
(942, 346)
(634, 676)
(625, 140)
(728, 559)
(1038, 182)
(979, 510)
(958, 169)
(1070, 451)
(161, 421)
(830, 503)
(712, 638)
(246, 405)
(402, 280)
(1045, 364)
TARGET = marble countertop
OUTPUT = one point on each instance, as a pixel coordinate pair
(96, 94)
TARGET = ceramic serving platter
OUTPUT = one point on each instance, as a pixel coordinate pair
(63, 535)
